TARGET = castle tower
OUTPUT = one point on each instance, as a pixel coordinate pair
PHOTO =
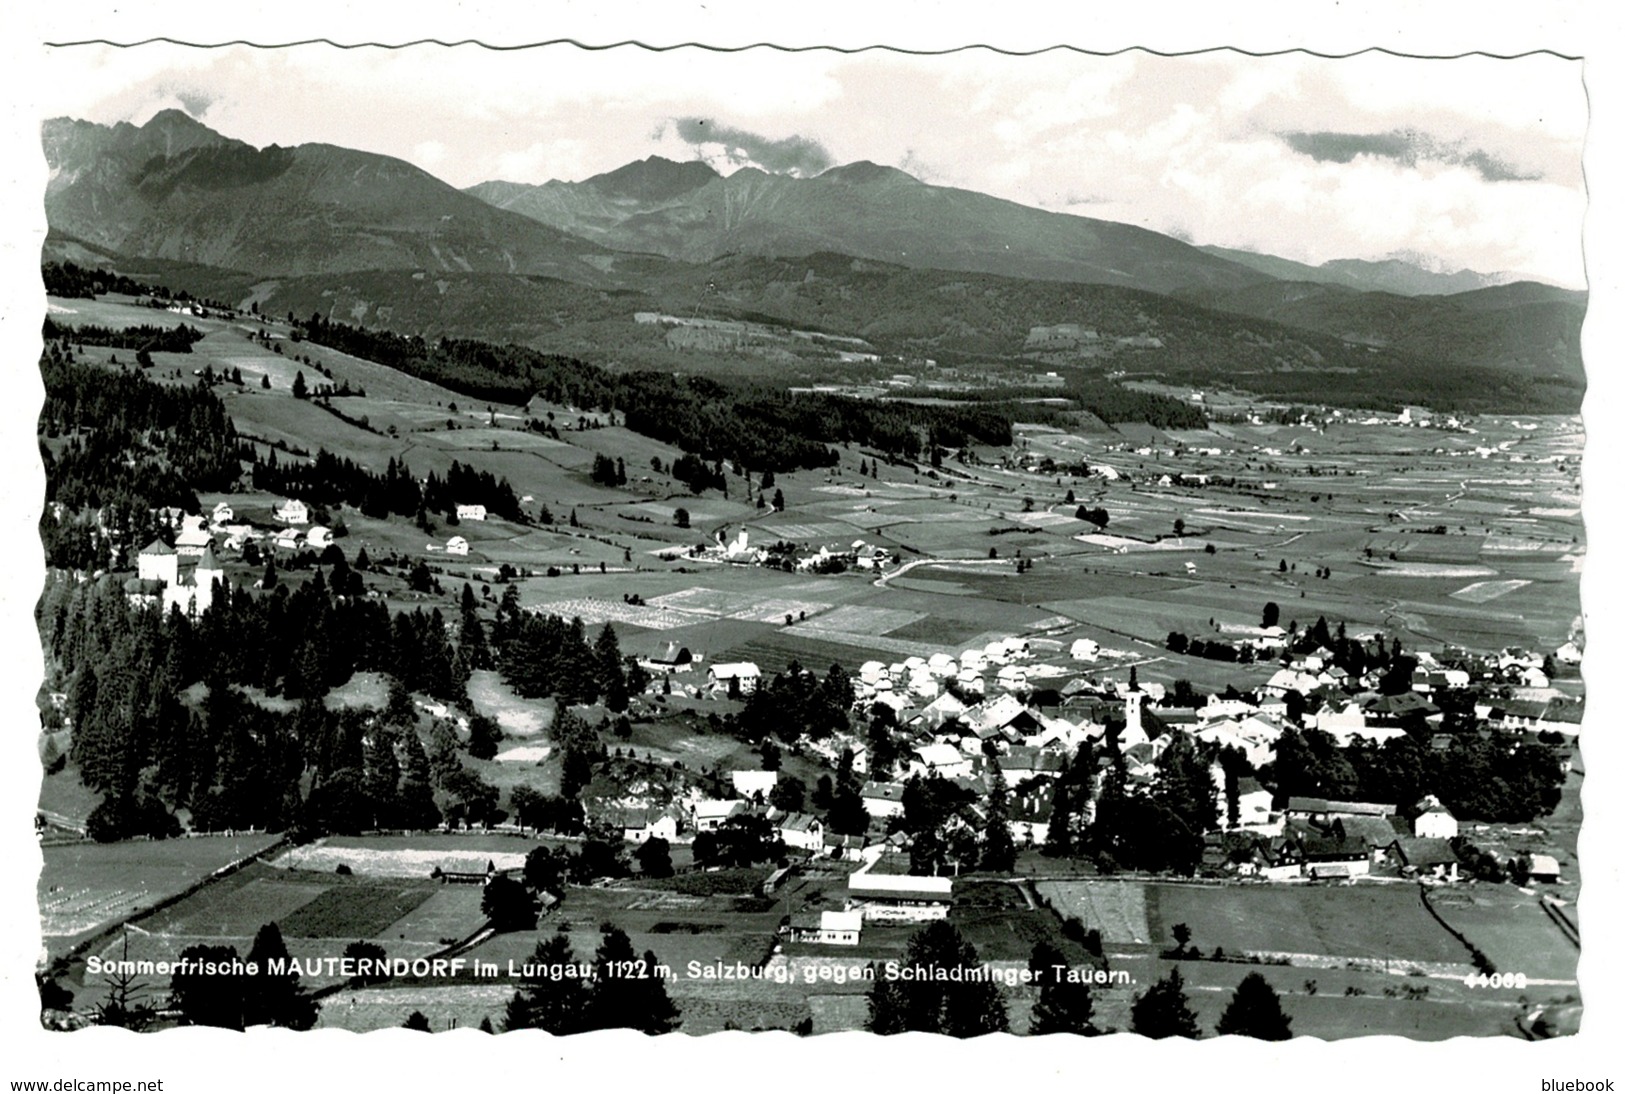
(207, 573)
(158, 562)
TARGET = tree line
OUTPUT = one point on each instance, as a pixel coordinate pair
(328, 479)
(176, 339)
(758, 426)
(72, 281)
(115, 447)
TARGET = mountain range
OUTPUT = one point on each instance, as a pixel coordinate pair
(175, 189)
(688, 212)
(861, 249)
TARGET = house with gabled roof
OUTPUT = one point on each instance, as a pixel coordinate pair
(1423, 857)
(641, 824)
(940, 759)
(1021, 763)
(673, 658)
(1434, 821)
(882, 799)
(802, 831)
(709, 815)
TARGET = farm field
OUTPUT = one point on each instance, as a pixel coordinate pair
(1364, 920)
(1319, 1003)
(414, 857)
(1116, 909)
(1511, 929)
(85, 886)
(1433, 537)
(995, 919)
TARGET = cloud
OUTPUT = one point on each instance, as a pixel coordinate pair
(795, 155)
(1403, 146)
(195, 100)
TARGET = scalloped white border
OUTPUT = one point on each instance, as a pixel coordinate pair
(197, 1060)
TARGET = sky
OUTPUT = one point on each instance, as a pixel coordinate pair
(1472, 162)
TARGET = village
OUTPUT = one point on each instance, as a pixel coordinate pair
(1096, 690)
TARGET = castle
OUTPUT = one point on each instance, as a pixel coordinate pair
(160, 580)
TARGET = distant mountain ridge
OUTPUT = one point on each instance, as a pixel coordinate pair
(175, 189)
(862, 249)
(1407, 275)
(687, 211)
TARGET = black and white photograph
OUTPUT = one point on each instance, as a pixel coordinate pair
(788, 535)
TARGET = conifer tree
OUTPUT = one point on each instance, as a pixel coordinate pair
(1255, 1011)
(1162, 1010)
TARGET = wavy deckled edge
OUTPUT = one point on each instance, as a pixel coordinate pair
(880, 47)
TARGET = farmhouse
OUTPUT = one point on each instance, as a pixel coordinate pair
(471, 512)
(1253, 804)
(193, 537)
(883, 800)
(1022, 763)
(457, 545)
(641, 825)
(1543, 868)
(736, 677)
(1334, 858)
(802, 831)
(837, 846)
(292, 511)
(709, 815)
(465, 877)
(673, 658)
(1435, 822)
(1426, 857)
(1372, 834)
(940, 759)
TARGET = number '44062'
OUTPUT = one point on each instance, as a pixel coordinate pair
(1498, 980)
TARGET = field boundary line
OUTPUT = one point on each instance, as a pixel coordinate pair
(221, 873)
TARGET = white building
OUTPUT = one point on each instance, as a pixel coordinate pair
(709, 815)
(471, 512)
(729, 675)
(1436, 822)
(748, 784)
(899, 898)
(457, 545)
(293, 511)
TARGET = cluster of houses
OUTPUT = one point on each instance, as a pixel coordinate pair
(182, 575)
(1321, 839)
(879, 888)
(858, 556)
(1031, 722)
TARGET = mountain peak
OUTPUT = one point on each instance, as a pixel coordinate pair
(865, 172)
(172, 117)
(653, 178)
